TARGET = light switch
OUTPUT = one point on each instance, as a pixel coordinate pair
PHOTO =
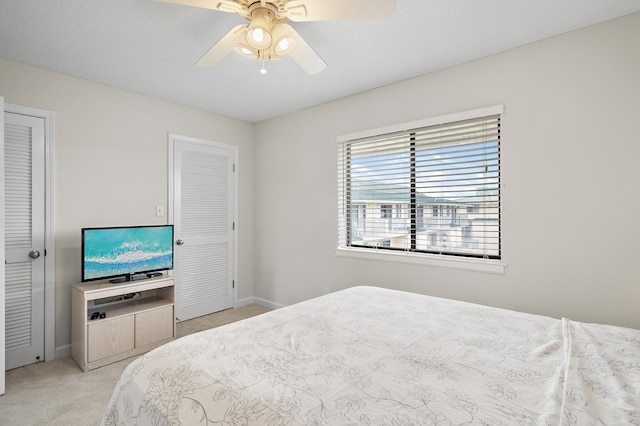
(159, 210)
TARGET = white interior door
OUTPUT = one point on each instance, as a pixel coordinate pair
(24, 238)
(203, 213)
(2, 354)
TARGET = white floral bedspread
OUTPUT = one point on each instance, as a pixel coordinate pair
(370, 356)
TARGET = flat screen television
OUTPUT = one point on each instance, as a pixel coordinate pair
(126, 252)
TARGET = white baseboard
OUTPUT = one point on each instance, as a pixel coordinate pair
(267, 303)
(258, 301)
(62, 352)
(244, 302)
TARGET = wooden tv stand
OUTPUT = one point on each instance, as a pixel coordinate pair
(139, 317)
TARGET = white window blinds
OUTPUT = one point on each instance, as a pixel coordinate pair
(432, 189)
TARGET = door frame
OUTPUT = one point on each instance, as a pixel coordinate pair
(172, 138)
(49, 232)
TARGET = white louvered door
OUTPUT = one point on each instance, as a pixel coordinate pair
(203, 218)
(24, 163)
(2, 296)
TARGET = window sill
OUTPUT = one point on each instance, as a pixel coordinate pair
(477, 265)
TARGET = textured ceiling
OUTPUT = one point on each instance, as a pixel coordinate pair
(150, 47)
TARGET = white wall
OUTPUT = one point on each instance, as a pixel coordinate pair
(570, 151)
(111, 164)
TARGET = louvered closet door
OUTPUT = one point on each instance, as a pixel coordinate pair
(24, 239)
(203, 210)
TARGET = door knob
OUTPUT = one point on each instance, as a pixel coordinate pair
(179, 242)
(34, 254)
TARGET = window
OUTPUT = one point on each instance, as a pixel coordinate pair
(420, 217)
(451, 168)
(466, 234)
(358, 214)
(385, 211)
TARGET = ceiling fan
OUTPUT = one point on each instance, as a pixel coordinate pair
(268, 35)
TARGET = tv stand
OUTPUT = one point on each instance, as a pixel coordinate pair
(132, 318)
(134, 277)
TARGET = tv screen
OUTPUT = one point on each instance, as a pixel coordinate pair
(126, 250)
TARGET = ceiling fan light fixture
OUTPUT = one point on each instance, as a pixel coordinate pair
(246, 52)
(285, 45)
(259, 30)
(283, 40)
(268, 36)
(258, 35)
(259, 38)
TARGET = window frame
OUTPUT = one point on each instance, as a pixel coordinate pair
(405, 256)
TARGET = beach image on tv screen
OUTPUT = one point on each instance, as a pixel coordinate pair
(121, 251)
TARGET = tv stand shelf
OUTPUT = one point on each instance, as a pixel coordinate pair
(139, 316)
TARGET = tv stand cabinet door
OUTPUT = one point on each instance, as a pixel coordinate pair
(154, 326)
(110, 337)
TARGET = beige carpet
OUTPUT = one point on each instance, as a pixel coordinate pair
(59, 393)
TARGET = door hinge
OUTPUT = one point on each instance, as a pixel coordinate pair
(233, 283)
(233, 226)
(234, 168)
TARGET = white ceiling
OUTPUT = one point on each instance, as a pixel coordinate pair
(150, 47)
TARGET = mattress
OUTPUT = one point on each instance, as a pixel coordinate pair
(373, 356)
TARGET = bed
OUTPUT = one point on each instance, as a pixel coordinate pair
(373, 356)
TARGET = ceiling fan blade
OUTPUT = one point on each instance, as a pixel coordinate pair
(304, 55)
(221, 5)
(325, 10)
(222, 48)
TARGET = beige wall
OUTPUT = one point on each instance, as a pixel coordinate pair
(111, 164)
(570, 151)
